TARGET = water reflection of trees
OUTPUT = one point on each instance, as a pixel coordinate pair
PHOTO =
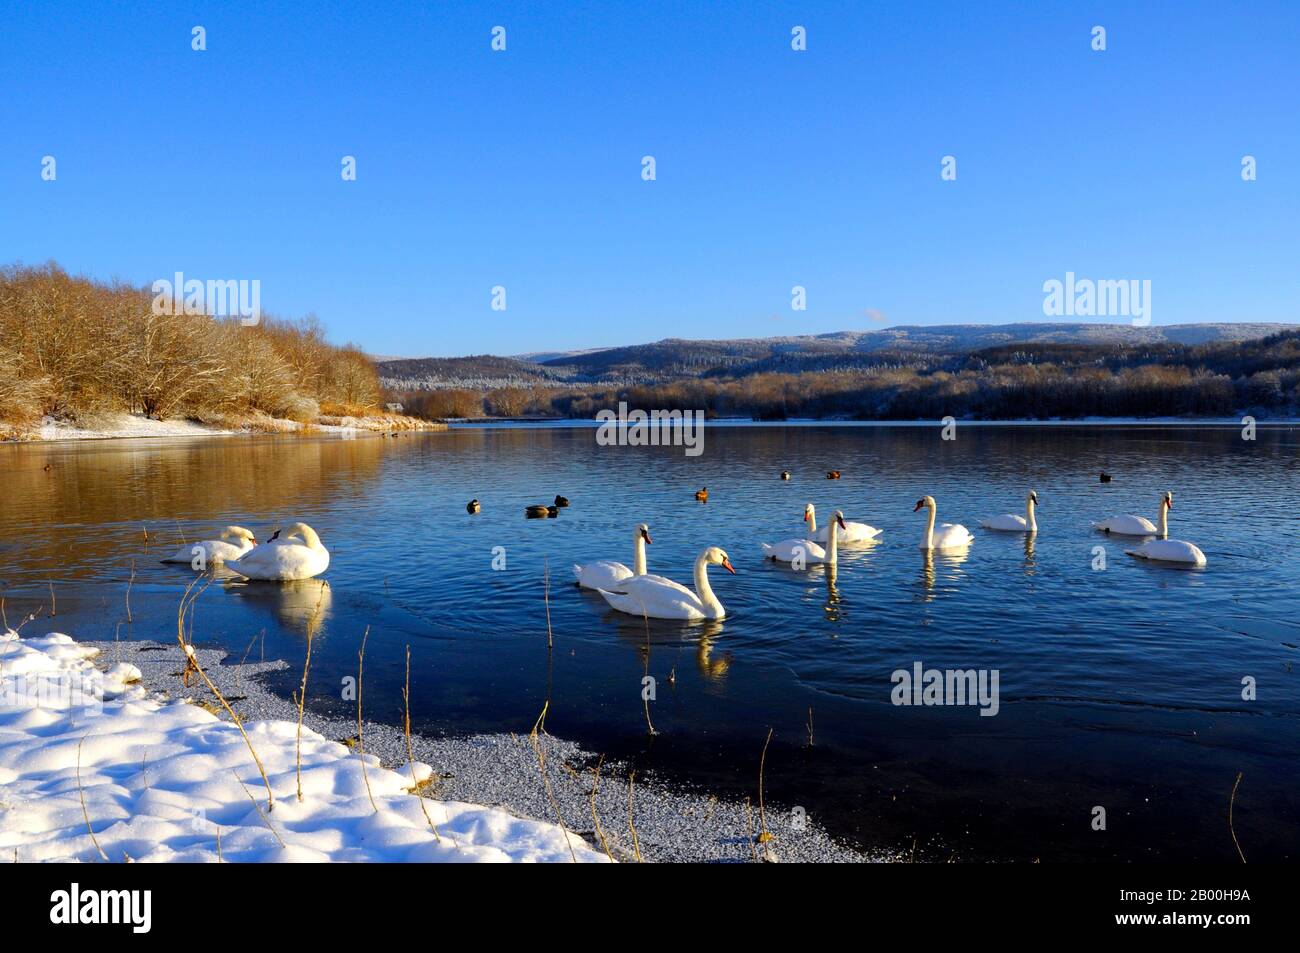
(93, 505)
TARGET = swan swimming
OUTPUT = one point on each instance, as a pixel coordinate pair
(292, 553)
(1011, 523)
(1130, 525)
(948, 535)
(233, 542)
(850, 532)
(801, 553)
(607, 574)
(659, 598)
(1167, 550)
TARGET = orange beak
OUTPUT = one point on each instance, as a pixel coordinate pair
(726, 564)
(805, 516)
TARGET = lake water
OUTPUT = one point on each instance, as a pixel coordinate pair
(1120, 687)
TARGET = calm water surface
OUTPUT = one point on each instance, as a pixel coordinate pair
(1120, 687)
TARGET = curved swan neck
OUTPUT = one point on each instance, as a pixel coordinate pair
(1029, 515)
(638, 555)
(712, 607)
(833, 537)
(929, 526)
(812, 519)
(309, 537)
(1164, 519)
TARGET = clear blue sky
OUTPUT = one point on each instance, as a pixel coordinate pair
(775, 168)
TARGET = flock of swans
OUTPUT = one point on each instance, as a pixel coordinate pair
(636, 592)
(296, 552)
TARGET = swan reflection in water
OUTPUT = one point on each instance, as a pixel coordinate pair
(832, 607)
(297, 606)
(950, 559)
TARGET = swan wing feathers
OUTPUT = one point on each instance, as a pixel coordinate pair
(949, 534)
(655, 596)
(786, 550)
(1005, 521)
(1170, 551)
(852, 533)
(281, 561)
(604, 574)
(214, 551)
(1129, 525)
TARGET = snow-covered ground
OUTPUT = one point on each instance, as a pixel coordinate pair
(168, 781)
(125, 425)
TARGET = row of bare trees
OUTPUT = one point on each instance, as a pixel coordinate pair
(997, 392)
(75, 348)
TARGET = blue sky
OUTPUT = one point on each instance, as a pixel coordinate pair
(775, 168)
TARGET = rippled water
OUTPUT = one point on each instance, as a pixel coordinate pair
(1119, 687)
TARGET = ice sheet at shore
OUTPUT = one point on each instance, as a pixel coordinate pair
(160, 779)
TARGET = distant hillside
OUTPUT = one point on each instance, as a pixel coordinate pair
(919, 348)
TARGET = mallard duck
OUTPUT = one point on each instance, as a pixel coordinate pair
(832, 474)
(561, 500)
(785, 474)
(472, 507)
(1105, 477)
(702, 494)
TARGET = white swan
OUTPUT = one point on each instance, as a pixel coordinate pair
(233, 542)
(1012, 523)
(661, 598)
(850, 532)
(1167, 550)
(948, 535)
(292, 553)
(1135, 525)
(801, 553)
(607, 574)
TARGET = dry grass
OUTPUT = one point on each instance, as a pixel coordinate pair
(763, 834)
(534, 736)
(192, 664)
(1231, 800)
(361, 741)
(595, 816)
(85, 813)
(631, 820)
(410, 751)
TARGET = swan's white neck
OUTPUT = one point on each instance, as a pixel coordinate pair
(812, 519)
(638, 555)
(307, 534)
(832, 545)
(929, 527)
(712, 607)
(1029, 515)
(1164, 519)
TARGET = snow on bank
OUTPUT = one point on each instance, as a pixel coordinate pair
(161, 780)
(125, 425)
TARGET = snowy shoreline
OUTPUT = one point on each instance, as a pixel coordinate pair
(94, 767)
(136, 426)
(496, 802)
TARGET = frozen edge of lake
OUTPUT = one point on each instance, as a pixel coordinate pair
(500, 772)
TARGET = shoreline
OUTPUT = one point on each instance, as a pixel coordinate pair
(501, 771)
(142, 428)
(126, 426)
